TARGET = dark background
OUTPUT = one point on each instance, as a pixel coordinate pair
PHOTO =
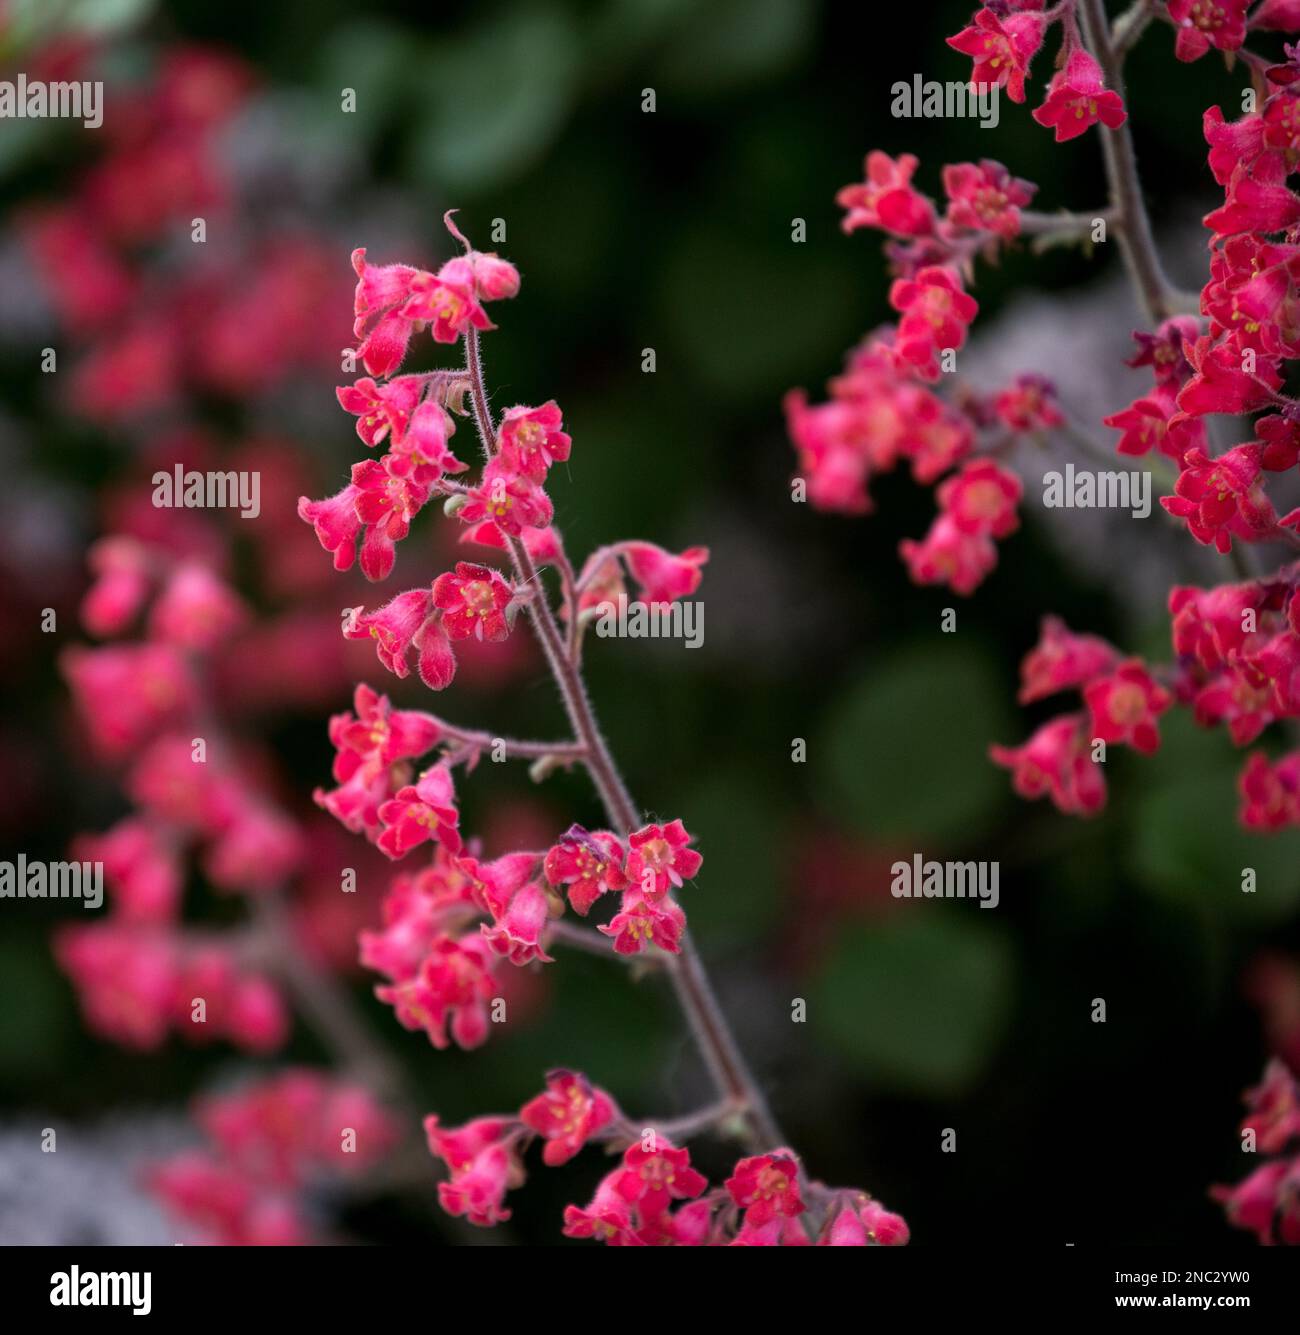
(673, 231)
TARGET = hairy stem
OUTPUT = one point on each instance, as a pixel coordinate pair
(717, 1044)
(1137, 243)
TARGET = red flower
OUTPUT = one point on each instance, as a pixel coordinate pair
(766, 1187)
(421, 811)
(1062, 660)
(473, 602)
(935, 314)
(886, 198)
(589, 863)
(532, 439)
(948, 556)
(981, 499)
(567, 1115)
(1125, 704)
(986, 197)
(1222, 498)
(1055, 762)
(1203, 24)
(1001, 49)
(641, 923)
(652, 1178)
(449, 994)
(1077, 99)
(660, 859)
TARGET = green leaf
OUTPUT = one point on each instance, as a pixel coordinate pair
(904, 753)
(920, 1002)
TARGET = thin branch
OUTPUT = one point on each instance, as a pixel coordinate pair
(717, 1044)
(1137, 243)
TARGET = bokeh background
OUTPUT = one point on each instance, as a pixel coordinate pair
(672, 231)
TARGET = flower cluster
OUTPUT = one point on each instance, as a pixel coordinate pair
(1002, 40)
(139, 972)
(268, 1144)
(654, 1197)
(1267, 1202)
(147, 336)
(451, 923)
(882, 409)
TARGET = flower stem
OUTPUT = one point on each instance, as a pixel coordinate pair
(1137, 243)
(709, 1027)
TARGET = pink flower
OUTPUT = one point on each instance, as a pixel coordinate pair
(517, 933)
(196, 610)
(494, 278)
(1274, 1109)
(1270, 793)
(126, 693)
(884, 1228)
(1125, 704)
(607, 1219)
(260, 848)
(336, 524)
(382, 411)
(385, 499)
(1253, 1204)
(1001, 49)
(663, 576)
(1062, 660)
(1056, 762)
(449, 995)
(986, 197)
(394, 627)
(532, 439)
(423, 453)
(981, 499)
(383, 330)
(483, 1164)
(125, 979)
(1076, 99)
(948, 556)
(567, 1115)
(122, 582)
(141, 866)
(641, 923)
(492, 885)
(420, 812)
(652, 1178)
(588, 863)
(1145, 424)
(381, 734)
(447, 301)
(1222, 498)
(1205, 23)
(507, 499)
(473, 602)
(660, 859)
(766, 1187)
(886, 198)
(1028, 404)
(935, 314)
(1241, 696)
